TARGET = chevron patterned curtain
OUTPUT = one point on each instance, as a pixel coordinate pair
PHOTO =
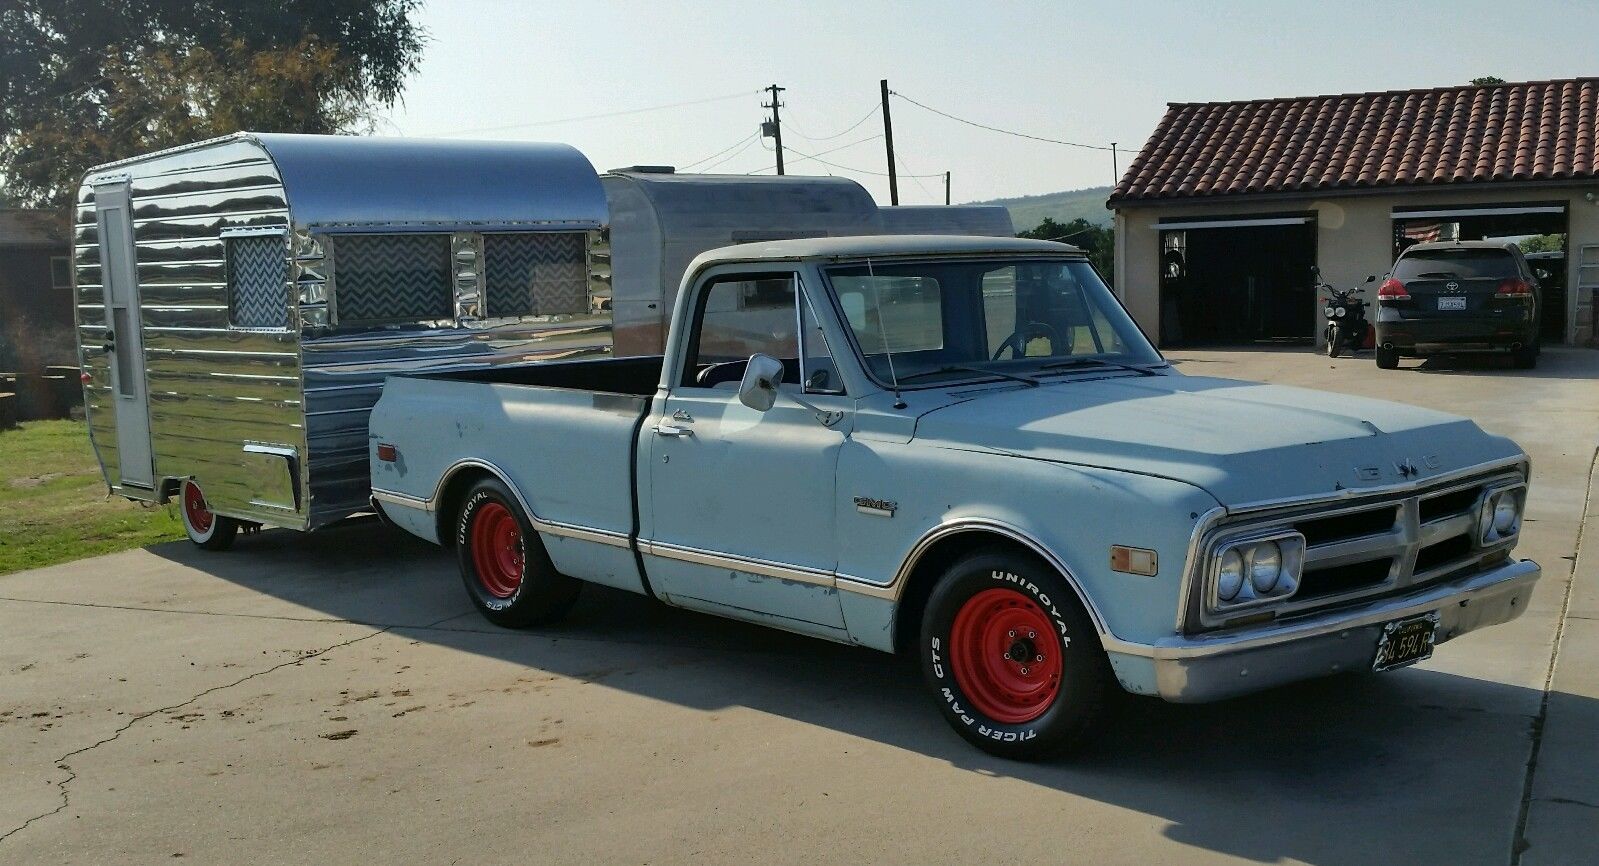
(393, 278)
(258, 294)
(535, 273)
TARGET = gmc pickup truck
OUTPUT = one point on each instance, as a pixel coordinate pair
(963, 448)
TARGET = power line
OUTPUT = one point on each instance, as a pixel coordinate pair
(744, 141)
(740, 95)
(999, 130)
(734, 155)
(818, 158)
(870, 113)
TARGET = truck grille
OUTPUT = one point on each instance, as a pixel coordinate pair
(1384, 546)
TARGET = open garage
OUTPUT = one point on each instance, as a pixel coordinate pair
(1230, 206)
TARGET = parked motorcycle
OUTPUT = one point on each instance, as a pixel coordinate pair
(1346, 317)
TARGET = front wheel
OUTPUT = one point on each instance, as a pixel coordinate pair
(207, 529)
(1332, 341)
(1012, 657)
(507, 572)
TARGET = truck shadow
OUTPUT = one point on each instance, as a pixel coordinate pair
(1414, 766)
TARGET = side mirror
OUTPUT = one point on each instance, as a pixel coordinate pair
(1315, 271)
(1371, 278)
(761, 377)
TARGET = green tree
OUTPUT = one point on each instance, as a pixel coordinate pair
(1096, 240)
(1542, 243)
(84, 82)
(1487, 81)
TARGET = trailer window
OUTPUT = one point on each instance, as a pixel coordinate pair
(380, 279)
(258, 293)
(535, 274)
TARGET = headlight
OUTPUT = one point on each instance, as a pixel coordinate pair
(1329, 312)
(1265, 567)
(1339, 312)
(1256, 569)
(1500, 517)
(1229, 575)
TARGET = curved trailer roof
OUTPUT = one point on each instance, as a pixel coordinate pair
(334, 181)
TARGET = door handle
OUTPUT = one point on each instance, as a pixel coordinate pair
(669, 430)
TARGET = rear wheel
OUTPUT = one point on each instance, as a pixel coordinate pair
(1012, 657)
(1387, 359)
(1526, 357)
(507, 572)
(206, 528)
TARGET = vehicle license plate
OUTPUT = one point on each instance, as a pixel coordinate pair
(1405, 642)
(1451, 303)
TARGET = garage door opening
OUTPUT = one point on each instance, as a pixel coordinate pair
(1238, 282)
(1539, 229)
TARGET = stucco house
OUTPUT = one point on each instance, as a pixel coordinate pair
(1228, 205)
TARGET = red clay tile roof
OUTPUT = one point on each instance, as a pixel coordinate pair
(1539, 130)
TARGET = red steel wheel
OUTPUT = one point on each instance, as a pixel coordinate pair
(205, 527)
(194, 508)
(1006, 656)
(497, 550)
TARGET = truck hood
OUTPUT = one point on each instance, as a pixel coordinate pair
(1243, 442)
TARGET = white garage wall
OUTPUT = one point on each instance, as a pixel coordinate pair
(1354, 238)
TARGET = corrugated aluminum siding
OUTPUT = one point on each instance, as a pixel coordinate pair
(211, 388)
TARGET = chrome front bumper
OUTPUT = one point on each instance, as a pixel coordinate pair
(1198, 668)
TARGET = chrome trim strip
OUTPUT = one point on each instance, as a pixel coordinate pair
(733, 562)
(892, 590)
(430, 504)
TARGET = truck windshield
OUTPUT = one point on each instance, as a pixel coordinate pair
(937, 321)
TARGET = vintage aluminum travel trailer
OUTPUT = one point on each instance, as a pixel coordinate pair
(660, 220)
(241, 300)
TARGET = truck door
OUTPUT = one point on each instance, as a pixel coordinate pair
(124, 334)
(742, 501)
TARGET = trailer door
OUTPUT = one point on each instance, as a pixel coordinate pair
(124, 337)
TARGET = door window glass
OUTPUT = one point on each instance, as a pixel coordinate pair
(738, 317)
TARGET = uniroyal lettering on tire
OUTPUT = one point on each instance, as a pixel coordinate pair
(1012, 656)
(507, 572)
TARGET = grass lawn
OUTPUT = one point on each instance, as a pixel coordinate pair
(53, 504)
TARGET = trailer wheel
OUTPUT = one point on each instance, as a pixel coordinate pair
(1012, 657)
(507, 572)
(206, 528)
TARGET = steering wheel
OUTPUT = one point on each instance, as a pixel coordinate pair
(1018, 339)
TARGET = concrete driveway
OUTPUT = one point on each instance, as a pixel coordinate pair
(332, 698)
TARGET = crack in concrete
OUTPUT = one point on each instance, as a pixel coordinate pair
(1518, 842)
(61, 762)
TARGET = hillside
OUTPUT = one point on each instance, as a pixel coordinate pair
(1029, 210)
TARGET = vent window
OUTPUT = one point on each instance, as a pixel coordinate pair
(258, 291)
(535, 274)
(393, 278)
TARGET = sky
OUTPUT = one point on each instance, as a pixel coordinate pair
(1088, 72)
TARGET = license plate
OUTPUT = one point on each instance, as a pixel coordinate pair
(1451, 303)
(1405, 642)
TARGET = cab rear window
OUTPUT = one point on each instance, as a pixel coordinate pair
(1457, 264)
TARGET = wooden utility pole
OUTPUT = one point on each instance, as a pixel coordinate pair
(888, 138)
(1115, 170)
(777, 124)
(946, 187)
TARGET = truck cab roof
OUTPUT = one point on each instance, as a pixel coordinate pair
(879, 246)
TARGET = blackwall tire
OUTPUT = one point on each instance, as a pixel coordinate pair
(207, 529)
(1012, 658)
(506, 570)
(1332, 342)
(1387, 359)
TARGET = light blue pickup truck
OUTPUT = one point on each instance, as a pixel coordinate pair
(963, 448)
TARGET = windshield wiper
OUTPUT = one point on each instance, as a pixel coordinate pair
(956, 368)
(1095, 362)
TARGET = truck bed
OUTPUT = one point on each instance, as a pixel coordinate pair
(637, 376)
